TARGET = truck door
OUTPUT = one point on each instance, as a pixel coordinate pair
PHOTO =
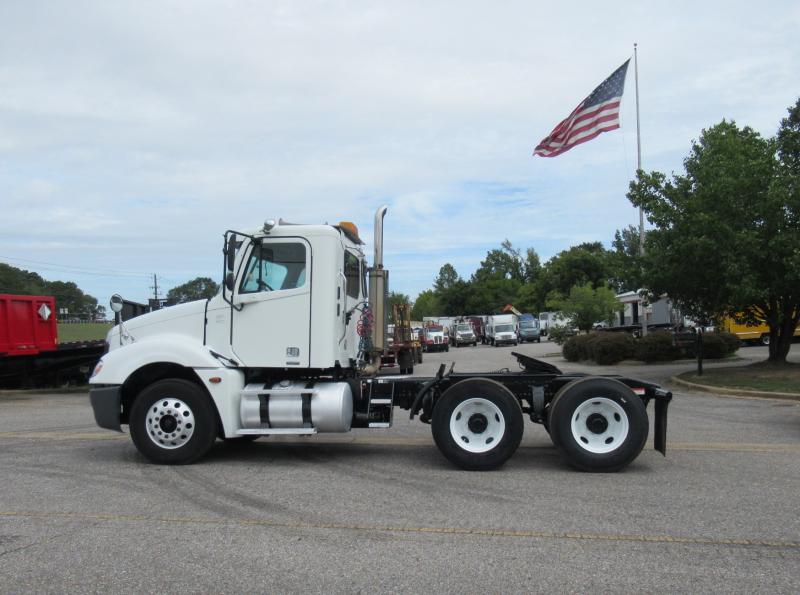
(271, 323)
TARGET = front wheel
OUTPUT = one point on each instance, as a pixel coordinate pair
(173, 422)
(598, 424)
(477, 424)
(765, 339)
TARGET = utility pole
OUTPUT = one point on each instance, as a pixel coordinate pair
(154, 287)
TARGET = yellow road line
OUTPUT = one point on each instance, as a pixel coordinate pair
(391, 441)
(480, 532)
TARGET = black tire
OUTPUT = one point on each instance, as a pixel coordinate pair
(419, 356)
(764, 339)
(539, 340)
(484, 398)
(405, 360)
(162, 409)
(447, 348)
(614, 412)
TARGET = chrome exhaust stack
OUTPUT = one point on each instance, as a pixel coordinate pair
(378, 287)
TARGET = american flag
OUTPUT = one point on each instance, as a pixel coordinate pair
(597, 113)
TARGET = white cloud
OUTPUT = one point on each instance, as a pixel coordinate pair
(133, 133)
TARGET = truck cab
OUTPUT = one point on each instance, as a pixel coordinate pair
(461, 333)
(292, 343)
(502, 330)
(529, 329)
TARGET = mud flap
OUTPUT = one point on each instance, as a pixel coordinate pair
(662, 403)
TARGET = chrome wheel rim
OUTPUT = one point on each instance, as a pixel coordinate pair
(169, 423)
(477, 425)
(599, 425)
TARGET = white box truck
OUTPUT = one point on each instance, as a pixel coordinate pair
(502, 330)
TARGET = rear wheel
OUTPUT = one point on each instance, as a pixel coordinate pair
(765, 339)
(599, 424)
(477, 424)
(173, 422)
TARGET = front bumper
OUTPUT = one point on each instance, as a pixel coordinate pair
(107, 406)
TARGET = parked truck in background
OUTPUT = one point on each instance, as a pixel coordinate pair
(529, 329)
(750, 332)
(476, 322)
(502, 330)
(31, 354)
(551, 319)
(461, 333)
(292, 343)
(435, 338)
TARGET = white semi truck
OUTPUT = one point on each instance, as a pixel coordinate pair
(292, 345)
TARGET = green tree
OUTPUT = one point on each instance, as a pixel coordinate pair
(727, 237)
(446, 279)
(586, 305)
(581, 264)
(528, 299)
(200, 288)
(625, 263)
(499, 264)
(533, 266)
(451, 291)
(426, 304)
(67, 294)
(491, 295)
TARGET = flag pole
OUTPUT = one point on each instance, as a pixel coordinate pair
(638, 146)
(639, 167)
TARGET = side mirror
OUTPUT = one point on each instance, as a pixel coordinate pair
(115, 303)
(230, 281)
(230, 253)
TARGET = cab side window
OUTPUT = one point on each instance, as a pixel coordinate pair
(275, 266)
(352, 273)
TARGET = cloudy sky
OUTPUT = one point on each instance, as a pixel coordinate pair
(132, 134)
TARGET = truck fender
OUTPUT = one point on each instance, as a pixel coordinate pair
(119, 364)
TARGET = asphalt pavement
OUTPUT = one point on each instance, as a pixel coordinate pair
(382, 510)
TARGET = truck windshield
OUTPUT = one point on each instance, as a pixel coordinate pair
(503, 328)
(464, 327)
(527, 324)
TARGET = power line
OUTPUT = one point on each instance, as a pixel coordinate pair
(86, 270)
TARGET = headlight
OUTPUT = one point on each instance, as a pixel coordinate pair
(97, 368)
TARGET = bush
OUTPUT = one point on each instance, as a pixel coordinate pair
(560, 334)
(732, 342)
(716, 346)
(577, 348)
(657, 347)
(611, 348)
(713, 346)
